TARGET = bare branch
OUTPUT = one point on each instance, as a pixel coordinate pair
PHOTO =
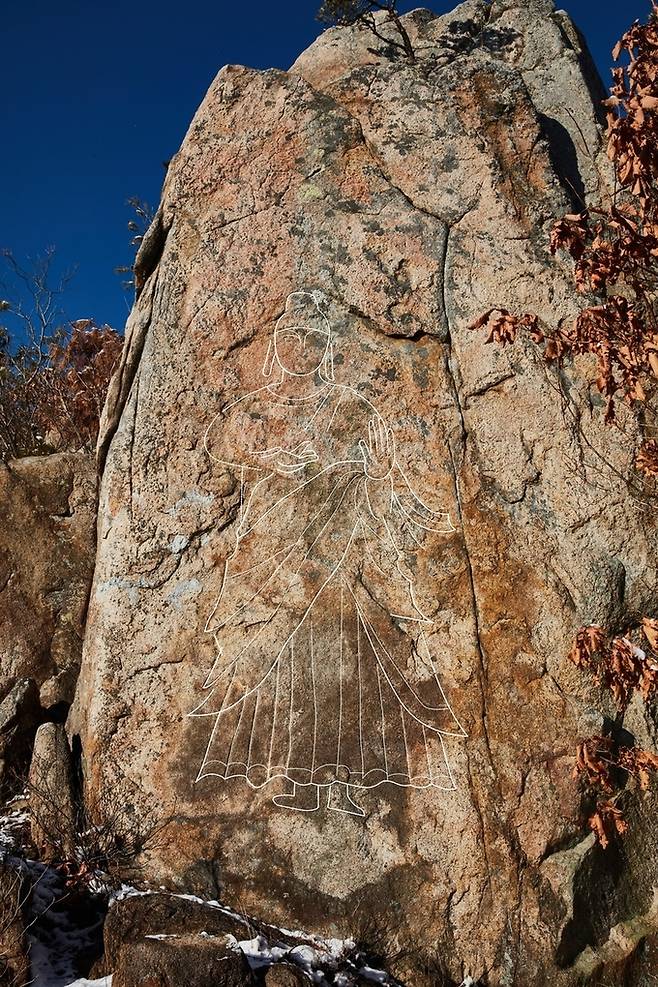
(362, 12)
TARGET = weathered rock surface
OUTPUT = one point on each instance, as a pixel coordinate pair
(52, 802)
(197, 961)
(137, 918)
(20, 715)
(334, 594)
(47, 545)
(131, 919)
(284, 975)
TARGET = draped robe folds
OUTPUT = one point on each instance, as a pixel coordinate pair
(323, 671)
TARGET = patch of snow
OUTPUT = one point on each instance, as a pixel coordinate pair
(376, 976)
(55, 942)
(103, 982)
(258, 951)
(11, 827)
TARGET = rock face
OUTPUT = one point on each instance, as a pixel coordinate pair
(200, 961)
(197, 935)
(47, 545)
(52, 802)
(20, 715)
(131, 920)
(343, 544)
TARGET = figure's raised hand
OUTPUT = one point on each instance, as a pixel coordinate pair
(379, 451)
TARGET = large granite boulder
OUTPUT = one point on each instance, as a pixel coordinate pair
(343, 544)
(170, 961)
(131, 920)
(47, 546)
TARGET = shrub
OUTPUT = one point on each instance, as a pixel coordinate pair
(362, 12)
(54, 375)
(95, 840)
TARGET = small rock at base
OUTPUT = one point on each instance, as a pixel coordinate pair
(193, 960)
(285, 975)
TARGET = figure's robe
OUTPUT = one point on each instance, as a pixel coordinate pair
(323, 672)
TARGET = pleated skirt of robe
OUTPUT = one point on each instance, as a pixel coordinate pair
(326, 712)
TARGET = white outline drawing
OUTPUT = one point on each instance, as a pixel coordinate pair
(318, 679)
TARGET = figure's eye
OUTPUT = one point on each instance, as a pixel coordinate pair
(315, 337)
(288, 334)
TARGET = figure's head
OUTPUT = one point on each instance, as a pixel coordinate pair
(302, 339)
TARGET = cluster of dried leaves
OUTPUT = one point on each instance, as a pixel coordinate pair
(54, 374)
(605, 767)
(51, 398)
(623, 665)
(614, 247)
(620, 664)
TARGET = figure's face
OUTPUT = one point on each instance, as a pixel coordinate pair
(300, 350)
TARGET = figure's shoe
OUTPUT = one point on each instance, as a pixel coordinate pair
(340, 800)
(303, 798)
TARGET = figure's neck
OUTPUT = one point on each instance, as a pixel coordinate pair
(299, 387)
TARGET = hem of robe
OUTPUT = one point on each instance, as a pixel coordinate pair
(258, 775)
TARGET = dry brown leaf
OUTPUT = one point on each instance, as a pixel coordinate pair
(606, 821)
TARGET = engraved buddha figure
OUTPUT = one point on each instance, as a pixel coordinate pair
(323, 675)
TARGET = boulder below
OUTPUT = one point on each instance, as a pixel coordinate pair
(20, 715)
(47, 547)
(193, 960)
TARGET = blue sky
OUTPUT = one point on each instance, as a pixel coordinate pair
(96, 95)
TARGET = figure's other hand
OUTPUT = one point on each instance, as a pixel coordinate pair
(379, 451)
(290, 461)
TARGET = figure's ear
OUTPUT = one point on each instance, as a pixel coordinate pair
(269, 360)
(328, 366)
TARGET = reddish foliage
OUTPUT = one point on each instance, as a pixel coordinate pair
(82, 367)
(619, 663)
(615, 249)
(623, 667)
(597, 759)
(593, 762)
(570, 233)
(639, 763)
(503, 326)
(606, 821)
(632, 126)
(589, 642)
(53, 398)
(601, 766)
(650, 631)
